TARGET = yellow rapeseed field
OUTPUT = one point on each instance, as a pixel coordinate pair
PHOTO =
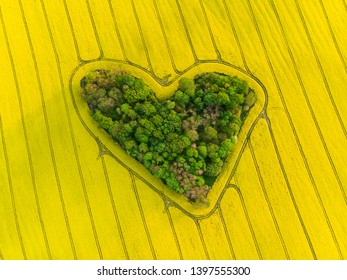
(67, 191)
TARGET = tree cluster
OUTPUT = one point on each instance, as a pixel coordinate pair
(184, 140)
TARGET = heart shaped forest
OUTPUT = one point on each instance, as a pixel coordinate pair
(183, 140)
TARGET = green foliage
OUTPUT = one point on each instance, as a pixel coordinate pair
(225, 148)
(210, 134)
(183, 141)
(214, 168)
(202, 149)
(212, 150)
(181, 98)
(105, 122)
(192, 153)
(187, 86)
